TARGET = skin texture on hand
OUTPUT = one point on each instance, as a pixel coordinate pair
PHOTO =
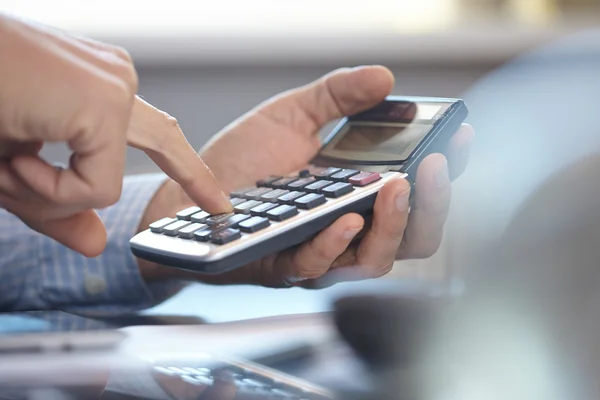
(280, 136)
(55, 87)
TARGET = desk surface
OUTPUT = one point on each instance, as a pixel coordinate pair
(218, 304)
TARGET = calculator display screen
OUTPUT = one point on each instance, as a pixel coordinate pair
(389, 132)
(396, 141)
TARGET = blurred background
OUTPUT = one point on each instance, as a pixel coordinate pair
(207, 63)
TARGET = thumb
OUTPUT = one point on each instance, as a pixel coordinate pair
(340, 93)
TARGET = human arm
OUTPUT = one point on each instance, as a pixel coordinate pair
(57, 87)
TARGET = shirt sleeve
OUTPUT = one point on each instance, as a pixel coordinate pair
(37, 273)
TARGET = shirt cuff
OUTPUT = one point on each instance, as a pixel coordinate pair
(109, 284)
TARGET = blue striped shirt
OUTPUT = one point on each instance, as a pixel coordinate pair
(38, 274)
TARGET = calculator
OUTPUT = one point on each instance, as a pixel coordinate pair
(362, 153)
(186, 377)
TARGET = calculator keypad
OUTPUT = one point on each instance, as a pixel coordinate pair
(247, 381)
(273, 200)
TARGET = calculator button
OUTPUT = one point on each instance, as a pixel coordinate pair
(230, 222)
(236, 200)
(262, 209)
(268, 181)
(364, 178)
(158, 226)
(282, 212)
(305, 173)
(200, 217)
(300, 183)
(204, 235)
(188, 231)
(290, 197)
(273, 195)
(187, 213)
(310, 201)
(317, 186)
(254, 224)
(256, 193)
(337, 189)
(241, 192)
(343, 175)
(225, 236)
(282, 183)
(245, 207)
(173, 229)
(325, 172)
(217, 219)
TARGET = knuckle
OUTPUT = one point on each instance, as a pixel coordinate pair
(169, 132)
(123, 54)
(127, 70)
(118, 93)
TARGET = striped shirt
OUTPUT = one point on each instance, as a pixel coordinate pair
(45, 279)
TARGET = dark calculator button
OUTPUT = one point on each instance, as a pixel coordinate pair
(158, 226)
(203, 235)
(188, 231)
(200, 217)
(262, 209)
(337, 189)
(300, 183)
(326, 172)
(245, 207)
(317, 186)
(187, 213)
(217, 219)
(225, 236)
(254, 224)
(282, 183)
(290, 197)
(364, 178)
(273, 195)
(241, 192)
(173, 229)
(236, 200)
(343, 175)
(311, 200)
(305, 173)
(282, 212)
(256, 193)
(268, 181)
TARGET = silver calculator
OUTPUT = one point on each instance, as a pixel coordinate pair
(362, 153)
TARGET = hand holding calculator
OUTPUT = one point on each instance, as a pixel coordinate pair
(364, 151)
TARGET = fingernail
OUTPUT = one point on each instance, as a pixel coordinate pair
(402, 201)
(441, 177)
(350, 233)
